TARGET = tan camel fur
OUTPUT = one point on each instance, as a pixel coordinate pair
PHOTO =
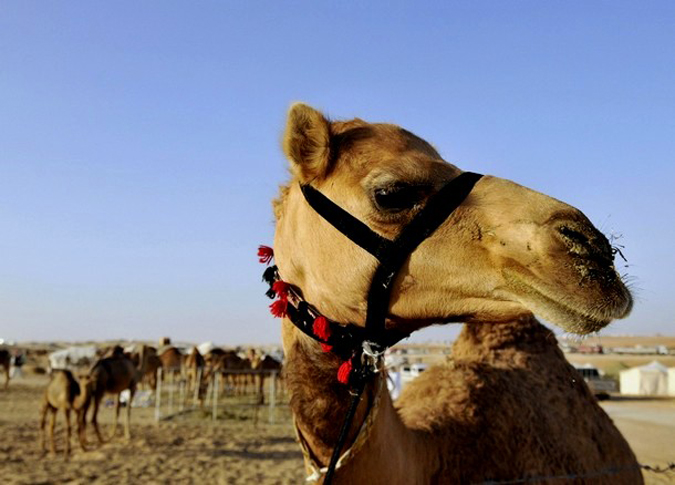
(112, 375)
(5, 361)
(65, 393)
(505, 254)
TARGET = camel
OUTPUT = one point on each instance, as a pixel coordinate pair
(264, 363)
(152, 363)
(5, 361)
(172, 361)
(509, 407)
(225, 361)
(193, 364)
(113, 375)
(65, 393)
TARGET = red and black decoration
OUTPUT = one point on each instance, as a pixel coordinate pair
(333, 337)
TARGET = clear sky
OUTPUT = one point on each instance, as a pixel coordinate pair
(139, 141)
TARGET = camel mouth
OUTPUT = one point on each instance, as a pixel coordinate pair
(584, 311)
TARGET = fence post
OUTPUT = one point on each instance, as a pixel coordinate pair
(273, 396)
(158, 396)
(195, 398)
(172, 374)
(181, 395)
(215, 395)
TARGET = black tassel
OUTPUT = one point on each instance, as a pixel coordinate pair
(270, 275)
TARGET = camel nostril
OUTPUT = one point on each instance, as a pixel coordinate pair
(585, 241)
(572, 236)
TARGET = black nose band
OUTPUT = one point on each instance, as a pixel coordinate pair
(391, 254)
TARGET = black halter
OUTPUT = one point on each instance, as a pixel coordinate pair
(367, 345)
(391, 254)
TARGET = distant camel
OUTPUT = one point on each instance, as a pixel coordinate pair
(66, 393)
(193, 363)
(264, 363)
(113, 375)
(5, 360)
(222, 361)
(152, 363)
(172, 361)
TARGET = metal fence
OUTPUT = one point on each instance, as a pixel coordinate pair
(219, 394)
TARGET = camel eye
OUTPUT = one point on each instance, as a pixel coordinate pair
(399, 197)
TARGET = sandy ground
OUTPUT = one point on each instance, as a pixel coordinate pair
(193, 449)
(649, 427)
(189, 449)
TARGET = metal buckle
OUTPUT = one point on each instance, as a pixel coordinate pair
(371, 356)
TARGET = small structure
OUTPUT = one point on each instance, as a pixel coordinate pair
(671, 381)
(206, 347)
(647, 380)
(73, 357)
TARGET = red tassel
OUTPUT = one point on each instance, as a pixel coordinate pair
(344, 372)
(279, 308)
(321, 328)
(281, 288)
(265, 254)
(326, 347)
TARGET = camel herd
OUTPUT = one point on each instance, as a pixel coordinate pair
(118, 371)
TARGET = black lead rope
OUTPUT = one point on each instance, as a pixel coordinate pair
(346, 425)
(391, 255)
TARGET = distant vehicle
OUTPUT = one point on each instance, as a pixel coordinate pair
(599, 385)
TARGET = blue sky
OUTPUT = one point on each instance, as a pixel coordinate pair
(139, 141)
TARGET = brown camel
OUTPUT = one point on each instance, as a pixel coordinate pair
(505, 254)
(112, 375)
(5, 361)
(152, 363)
(172, 361)
(264, 363)
(65, 393)
(223, 362)
(193, 364)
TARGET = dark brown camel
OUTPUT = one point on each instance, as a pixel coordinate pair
(5, 361)
(112, 375)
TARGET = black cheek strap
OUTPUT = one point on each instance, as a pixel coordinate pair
(391, 254)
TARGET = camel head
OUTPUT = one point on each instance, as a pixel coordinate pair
(87, 384)
(506, 253)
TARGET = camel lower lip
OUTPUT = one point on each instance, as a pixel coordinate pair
(554, 309)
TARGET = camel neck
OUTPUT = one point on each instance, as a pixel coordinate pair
(318, 401)
(83, 397)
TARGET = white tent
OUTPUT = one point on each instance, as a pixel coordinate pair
(671, 381)
(646, 380)
(72, 357)
(206, 347)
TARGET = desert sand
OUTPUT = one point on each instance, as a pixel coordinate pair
(235, 449)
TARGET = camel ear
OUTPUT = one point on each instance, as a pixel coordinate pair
(307, 142)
